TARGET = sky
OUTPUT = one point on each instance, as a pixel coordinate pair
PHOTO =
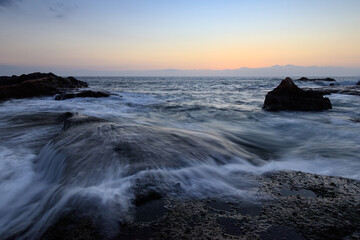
(142, 35)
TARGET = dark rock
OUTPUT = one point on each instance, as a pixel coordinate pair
(150, 211)
(88, 93)
(358, 83)
(36, 84)
(141, 199)
(231, 226)
(63, 117)
(345, 90)
(281, 232)
(288, 96)
(316, 79)
(331, 84)
(332, 214)
(73, 226)
(75, 119)
(357, 120)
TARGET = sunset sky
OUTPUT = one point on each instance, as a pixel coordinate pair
(116, 35)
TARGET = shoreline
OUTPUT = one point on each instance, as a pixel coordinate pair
(291, 205)
(160, 205)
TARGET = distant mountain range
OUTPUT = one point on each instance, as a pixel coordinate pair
(273, 71)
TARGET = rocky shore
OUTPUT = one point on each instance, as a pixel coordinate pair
(44, 84)
(284, 205)
(289, 205)
(288, 96)
(277, 205)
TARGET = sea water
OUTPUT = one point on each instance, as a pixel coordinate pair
(192, 137)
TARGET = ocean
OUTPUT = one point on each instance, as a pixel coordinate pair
(191, 137)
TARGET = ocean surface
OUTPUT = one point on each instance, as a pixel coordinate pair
(192, 137)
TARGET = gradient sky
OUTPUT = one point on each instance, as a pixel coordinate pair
(179, 34)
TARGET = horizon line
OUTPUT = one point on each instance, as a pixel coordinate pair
(271, 71)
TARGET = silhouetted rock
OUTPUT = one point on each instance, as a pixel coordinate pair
(316, 79)
(36, 84)
(288, 96)
(358, 83)
(88, 93)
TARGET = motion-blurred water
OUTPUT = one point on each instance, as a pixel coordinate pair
(191, 137)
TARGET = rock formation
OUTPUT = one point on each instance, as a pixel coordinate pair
(288, 96)
(36, 84)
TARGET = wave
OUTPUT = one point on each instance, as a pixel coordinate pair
(177, 143)
(108, 163)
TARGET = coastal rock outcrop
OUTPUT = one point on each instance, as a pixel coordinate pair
(295, 205)
(36, 84)
(288, 96)
(316, 79)
(87, 93)
(358, 83)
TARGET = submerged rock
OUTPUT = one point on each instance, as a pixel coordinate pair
(316, 79)
(87, 93)
(288, 96)
(74, 119)
(73, 225)
(36, 84)
(344, 90)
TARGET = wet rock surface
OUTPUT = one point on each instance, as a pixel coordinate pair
(72, 226)
(284, 205)
(314, 207)
(332, 214)
(356, 120)
(74, 119)
(82, 94)
(288, 96)
(36, 84)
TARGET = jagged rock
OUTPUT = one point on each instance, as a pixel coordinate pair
(316, 79)
(36, 84)
(288, 96)
(88, 93)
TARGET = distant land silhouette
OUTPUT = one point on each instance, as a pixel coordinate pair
(273, 71)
